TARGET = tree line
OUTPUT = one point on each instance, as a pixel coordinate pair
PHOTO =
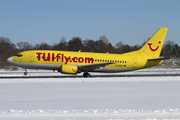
(7, 48)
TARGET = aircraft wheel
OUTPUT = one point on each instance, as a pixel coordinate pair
(25, 73)
(86, 75)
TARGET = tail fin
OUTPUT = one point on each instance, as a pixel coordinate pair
(153, 47)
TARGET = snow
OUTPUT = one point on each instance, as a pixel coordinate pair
(149, 94)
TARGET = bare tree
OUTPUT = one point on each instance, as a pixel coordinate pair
(167, 48)
(75, 44)
(24, 46)
(135, 47)
(7, 49)
(176, 50)
(104, 39)
(100, 46)
(61, 46)
(119, 48)
(89, 45)
(42, 46)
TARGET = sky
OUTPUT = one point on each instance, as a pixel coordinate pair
(128, 21)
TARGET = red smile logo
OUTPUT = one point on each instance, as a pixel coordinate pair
(74, 70)
(152, 48)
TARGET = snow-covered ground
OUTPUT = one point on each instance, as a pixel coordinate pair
(45, 95)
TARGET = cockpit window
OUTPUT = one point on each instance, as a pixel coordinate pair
(19, 55)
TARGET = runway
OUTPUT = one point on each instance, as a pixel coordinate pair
(145, 94)
(50, 74)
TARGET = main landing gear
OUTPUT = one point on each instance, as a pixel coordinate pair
(86, 74)
(25, 73)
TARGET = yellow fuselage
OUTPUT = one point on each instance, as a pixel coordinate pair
(48, 59)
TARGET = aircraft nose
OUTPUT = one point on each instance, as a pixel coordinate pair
(10, 60)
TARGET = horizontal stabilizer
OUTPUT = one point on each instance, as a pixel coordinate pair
(158, 59)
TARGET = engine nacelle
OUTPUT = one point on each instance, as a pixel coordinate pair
(69, 69)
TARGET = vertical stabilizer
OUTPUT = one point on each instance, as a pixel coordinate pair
(153, 47)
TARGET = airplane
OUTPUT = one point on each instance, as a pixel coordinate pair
(68, 62)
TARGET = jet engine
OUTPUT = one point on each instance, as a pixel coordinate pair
(68, 69)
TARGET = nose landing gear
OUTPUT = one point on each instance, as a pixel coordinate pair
(25, 73)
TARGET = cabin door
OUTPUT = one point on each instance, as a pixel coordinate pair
(31, 57)
(134, 62)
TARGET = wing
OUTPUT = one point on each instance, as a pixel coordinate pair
(93, 66)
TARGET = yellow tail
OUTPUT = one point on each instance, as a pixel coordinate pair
(153, 47)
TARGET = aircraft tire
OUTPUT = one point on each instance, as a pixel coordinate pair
(86, 75)
(25, 73)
